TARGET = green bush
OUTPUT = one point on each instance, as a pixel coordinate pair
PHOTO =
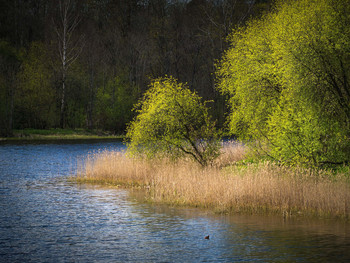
(173, 121)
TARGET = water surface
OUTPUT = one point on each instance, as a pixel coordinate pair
(47, 218)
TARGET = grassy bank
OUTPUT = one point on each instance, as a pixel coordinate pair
(242, 187)
(60, 134)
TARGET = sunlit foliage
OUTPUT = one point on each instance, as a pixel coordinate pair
(173, 121)
(288, 77)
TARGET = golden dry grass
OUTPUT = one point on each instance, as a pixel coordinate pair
(254, 188)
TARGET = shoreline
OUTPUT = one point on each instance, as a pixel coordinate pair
(254, 188)
(36, 135)
(148, 194)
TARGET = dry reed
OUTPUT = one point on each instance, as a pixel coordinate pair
(254, 188)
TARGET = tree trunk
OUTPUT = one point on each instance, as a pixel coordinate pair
(63, 101)
(9, 128)
(68, 50)
(91, 102)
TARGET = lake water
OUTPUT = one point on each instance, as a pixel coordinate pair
(44, 217)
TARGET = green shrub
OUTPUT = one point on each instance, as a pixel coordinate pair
(173, 121)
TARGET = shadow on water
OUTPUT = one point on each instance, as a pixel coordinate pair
(47, 218)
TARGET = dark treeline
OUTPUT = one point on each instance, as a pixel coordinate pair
(84, 63)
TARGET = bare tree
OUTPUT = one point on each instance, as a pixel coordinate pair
(69, 47)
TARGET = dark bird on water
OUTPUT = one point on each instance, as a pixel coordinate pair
(206, 237)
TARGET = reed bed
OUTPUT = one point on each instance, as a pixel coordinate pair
(254, 188)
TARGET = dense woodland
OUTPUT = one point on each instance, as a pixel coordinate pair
(85, 63)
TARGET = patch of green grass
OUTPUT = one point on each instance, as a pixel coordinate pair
(28, 132)
(54, 134)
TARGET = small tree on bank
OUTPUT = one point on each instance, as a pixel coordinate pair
(173, 121)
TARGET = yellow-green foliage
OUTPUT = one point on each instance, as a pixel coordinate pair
(173, 121)
(35, 98)
(114, 103)
(254, 188)
(288, 77)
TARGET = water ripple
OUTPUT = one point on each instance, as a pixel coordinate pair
(46, 218)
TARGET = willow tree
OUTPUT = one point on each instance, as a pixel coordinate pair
(288, 77)
(173, 121)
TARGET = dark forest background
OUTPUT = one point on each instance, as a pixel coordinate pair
(85, 63)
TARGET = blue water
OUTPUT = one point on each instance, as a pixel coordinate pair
(45, 217)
